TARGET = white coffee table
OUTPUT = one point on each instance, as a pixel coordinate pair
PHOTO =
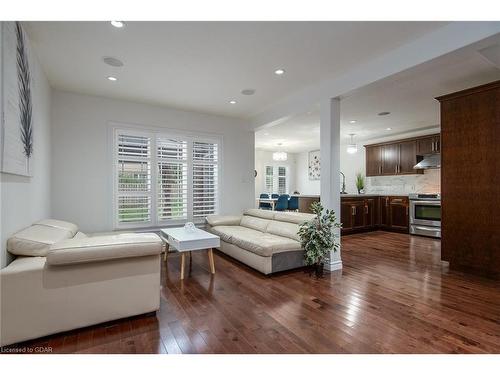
(184, 241)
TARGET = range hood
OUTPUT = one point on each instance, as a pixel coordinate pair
(429, 161)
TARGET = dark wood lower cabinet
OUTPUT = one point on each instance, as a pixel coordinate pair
(360, 214)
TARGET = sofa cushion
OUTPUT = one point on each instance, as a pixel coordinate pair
(264, 244)
(293, 217)
(226, 232)
(73, 228)
(36, 239)
(103, 248)
(284, 229)
(253, 222)
(215, 220)
(263, 214)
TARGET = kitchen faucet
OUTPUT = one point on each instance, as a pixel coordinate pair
(343, 184)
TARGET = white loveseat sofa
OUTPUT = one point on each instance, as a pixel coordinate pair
(63, 279)
(264, 240)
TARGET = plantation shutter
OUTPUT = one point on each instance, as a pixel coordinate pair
(205, 178)
(134, 178)
(269, 179)
(281, 180)
(172, 197)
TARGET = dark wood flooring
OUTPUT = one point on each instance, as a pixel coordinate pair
(394, 295)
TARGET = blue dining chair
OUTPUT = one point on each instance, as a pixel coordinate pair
(282, 203)
(293, 203)
(275, 196)
(264, 205)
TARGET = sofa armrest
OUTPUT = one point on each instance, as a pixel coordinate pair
(103, 248)
(215, 220)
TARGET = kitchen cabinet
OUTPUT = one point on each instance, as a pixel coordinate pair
(399, 210)
(399, 157)
(384, 212)
(429, 145)
(390, 159)
(358, 214)
(407, 157)
(374, 160)
(470, 179)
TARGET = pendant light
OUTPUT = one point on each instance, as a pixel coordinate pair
(280, 155)
(352, 148)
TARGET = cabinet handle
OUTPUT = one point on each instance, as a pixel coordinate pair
(366, 209)
(353, 210)
(432, 146)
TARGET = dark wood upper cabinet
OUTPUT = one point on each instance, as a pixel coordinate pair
(399, 157)
(407, 157)
(374, 161)
(390, 159)
(429, 145)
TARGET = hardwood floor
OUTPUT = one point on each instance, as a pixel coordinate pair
(394, 295)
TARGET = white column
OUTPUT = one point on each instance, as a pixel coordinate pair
(330, 166)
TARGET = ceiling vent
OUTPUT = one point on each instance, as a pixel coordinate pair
(112, 61)
(248, 91)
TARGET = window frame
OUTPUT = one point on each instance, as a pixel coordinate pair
(154, 133)
(276, 178)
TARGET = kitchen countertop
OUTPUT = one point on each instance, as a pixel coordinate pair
(356, 195)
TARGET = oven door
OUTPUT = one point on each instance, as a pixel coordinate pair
(425, 213)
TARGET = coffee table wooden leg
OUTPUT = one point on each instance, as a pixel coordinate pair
(183, 259)
(211, 260)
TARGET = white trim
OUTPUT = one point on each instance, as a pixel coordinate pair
(333, 265)
(154, 132)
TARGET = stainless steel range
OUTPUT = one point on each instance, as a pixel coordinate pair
(425, 214)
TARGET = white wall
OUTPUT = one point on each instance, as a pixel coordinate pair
(265, 158)
(25, 200)
(81, 159)
(304, 185)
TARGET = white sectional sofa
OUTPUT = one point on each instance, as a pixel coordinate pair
(63, 279)
(264, 240)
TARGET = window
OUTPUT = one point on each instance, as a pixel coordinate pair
(276, 179)
(164, 179)
(134, 179)
(172, 179)
(205, 178)
(269, 179)
(282, 180)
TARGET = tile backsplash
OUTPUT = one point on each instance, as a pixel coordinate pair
(429, 182)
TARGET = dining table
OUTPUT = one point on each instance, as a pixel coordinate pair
(271, 201)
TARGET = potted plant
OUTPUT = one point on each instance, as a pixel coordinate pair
(360, 183)
(317, 237)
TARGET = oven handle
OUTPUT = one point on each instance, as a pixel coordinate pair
(428, 203)
(425, 228)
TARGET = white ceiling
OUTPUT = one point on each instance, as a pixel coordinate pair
(202, 65)
(409, 96)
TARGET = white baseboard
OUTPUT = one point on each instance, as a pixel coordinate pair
(334, 265)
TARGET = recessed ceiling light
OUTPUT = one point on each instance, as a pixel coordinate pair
(385, 113)
(118, 24)
(388, 128)
(352, 122)
(279, 72)
(232, 102)
(111, 78)
(248, 91)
